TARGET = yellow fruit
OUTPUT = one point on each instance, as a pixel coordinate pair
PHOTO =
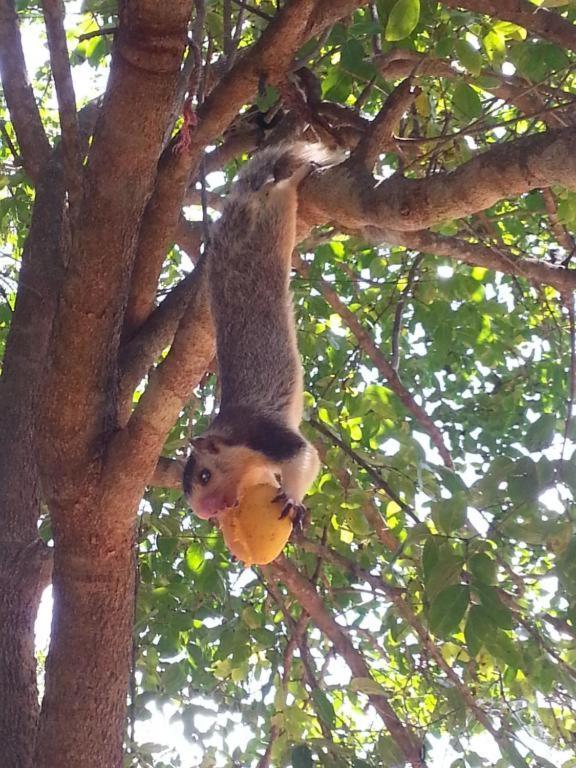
(254, 530)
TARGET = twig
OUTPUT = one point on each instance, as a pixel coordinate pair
(397, 326)
(97, 33)
(253, 9)
(370, 470)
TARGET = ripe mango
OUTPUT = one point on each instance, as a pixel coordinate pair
(253, 530)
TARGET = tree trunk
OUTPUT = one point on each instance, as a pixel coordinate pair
(23, 561)
(83, 714)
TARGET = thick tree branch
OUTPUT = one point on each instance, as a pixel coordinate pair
(122, 163)
(314, 606)
(60, 63)
(93, 522)
(134, 451)
(353, 198)
(20, 551)
(157, 333)
(188, 236)
(270, 58)
(539, 21)
(380, 131)
(34, 145)
(158, 225)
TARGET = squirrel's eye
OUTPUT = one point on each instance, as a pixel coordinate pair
(205, 476)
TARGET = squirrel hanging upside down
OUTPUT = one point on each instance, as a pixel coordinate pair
(255, 437)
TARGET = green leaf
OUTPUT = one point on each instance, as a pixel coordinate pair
(324, 707)
(430, 555)
(469, 56)
(368, 686)
(195, 558)
(502, 647)
(449, 514)
(483, 568)
(448, 609)
(251, 618)
(478, 625)
(467, 101)
(301, 757)
(541, 432)
(500, 614)
(389, 752)
(445, 571)
(402, 20)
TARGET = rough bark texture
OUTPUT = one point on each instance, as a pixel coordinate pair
(93, 570)
(21, 556)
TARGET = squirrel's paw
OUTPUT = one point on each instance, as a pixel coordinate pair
(296, 510)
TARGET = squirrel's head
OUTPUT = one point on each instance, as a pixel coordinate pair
(217, 471)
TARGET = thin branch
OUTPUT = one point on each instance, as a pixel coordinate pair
(560, 232)
(97, 33)
(406, 612)
(569, 304)
(379, 135)
(371, 471)
(397, 326)
(476, 254)
(539, 21)
(227, 28)
(398, 63)
(298, 635)
(54, 19)
(253, 9)
(24, 114)
(133, 451)
(140, 352)
(313, 604)
(9, 143)
(368, 345)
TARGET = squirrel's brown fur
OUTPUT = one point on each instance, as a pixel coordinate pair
(255, 437)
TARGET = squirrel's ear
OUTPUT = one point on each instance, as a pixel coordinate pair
(205, 444)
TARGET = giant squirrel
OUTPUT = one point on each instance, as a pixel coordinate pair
(255, 437)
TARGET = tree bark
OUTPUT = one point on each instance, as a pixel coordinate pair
(21, 554)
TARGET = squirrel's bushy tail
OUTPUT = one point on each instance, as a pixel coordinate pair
(288, 160)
